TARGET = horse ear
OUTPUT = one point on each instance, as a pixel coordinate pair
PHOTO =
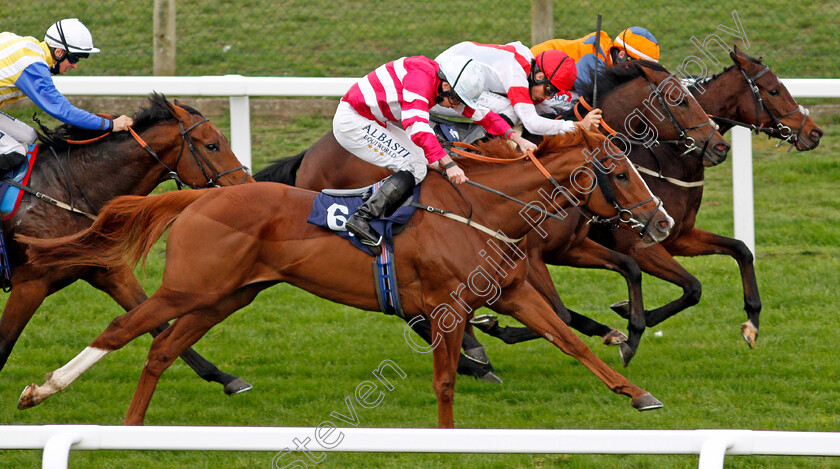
(739, 59)
(177, 111)
(650, 74)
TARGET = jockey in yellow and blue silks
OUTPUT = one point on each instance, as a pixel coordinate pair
(632, 43)
(26, 66)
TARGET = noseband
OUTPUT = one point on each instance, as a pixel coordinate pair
(780, 130)
(683, 138)
(200, 160)
(624, 214)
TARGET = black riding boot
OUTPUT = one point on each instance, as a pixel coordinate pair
(391, 191)
(10, 161)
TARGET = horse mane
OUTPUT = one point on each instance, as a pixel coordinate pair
(696, 79)
(283, 170)
(156, 112)
(610, 78)
(560, 143)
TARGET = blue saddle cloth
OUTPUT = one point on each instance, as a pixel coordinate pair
(331, 212)
(10, 195)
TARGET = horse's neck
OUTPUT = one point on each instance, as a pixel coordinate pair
(523, 181)
(719, 98)
(669, 162)
(101, 172)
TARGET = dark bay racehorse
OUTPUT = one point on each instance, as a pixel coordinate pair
(221, 253)
(182, 144)
(746, 93)
(624, 89)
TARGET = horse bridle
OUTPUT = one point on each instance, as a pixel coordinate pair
(186, 140)
(784, 132)
(623, 215)
(684, 138)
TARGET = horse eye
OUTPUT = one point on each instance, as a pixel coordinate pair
(212, 147)
(621, 176)
(774, 92)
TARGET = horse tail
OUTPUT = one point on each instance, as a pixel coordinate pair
(126, 226)
(282, 171)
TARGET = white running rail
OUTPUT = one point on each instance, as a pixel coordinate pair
(711, 445)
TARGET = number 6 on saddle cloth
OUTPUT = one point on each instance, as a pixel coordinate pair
(331, 209)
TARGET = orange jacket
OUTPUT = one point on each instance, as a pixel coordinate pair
(578, 48)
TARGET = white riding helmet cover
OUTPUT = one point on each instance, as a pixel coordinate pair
(466, 78)
(71, 35)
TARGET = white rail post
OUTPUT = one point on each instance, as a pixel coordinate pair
(713, 452)
(240, 128)
(742, 186)
(57, 450)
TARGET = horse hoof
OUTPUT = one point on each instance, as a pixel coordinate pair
(478, 355)
(627, 353)
(750, 333)
(485, 322)
(491, 377)
(27, 397)
(237, 386)
(622, 308)
(614, 337)
(646, 402)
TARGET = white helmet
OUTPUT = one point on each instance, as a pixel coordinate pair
(465, 76)
(71, 35)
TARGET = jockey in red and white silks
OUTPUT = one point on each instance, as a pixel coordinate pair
(507, 68)
(384, 117)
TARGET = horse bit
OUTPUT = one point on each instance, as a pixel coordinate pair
(197, 156)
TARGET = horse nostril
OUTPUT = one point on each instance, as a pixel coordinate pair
(664, 224)
(722, 148)
(816, 134)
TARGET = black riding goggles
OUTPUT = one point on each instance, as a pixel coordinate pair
(74, 58)
(453, 97)
(550, 88)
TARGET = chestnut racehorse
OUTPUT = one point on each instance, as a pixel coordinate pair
(181, 144)
(226, 245)
(624, 90)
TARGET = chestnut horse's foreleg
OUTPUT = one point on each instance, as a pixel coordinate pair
(164, 350)
(23, 301)
(524, 303)
(160, 308)
(445, 363)
(699, 242)
(182, 334)
(540, 278)
(476, 365)
(120, 283)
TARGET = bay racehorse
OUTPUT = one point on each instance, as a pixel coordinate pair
(746, 93)
(641, 87)
(226, 245)
(174, 142)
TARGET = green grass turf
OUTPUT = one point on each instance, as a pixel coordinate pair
(325, 38)
(304, 354)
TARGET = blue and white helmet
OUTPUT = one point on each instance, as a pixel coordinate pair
(465, 76)
(71, 35)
